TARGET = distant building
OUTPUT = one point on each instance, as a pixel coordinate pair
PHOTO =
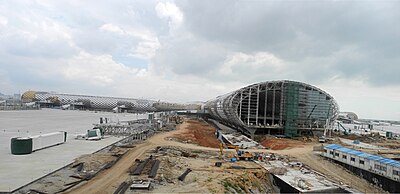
(347, 117)
(275, 107)
(46, 99)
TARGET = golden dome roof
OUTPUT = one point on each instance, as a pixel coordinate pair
(28, 96)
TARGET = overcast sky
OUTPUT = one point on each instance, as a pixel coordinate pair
(183, 51)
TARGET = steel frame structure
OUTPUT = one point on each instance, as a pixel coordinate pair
(100, 102)
(275, 107)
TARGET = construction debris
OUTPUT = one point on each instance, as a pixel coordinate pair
(218, 164)
(140, 167)
(122, 188)
(154, 169)
(165, 168)
(140, 184)
(278, 170)
(83, 168)
(183, 176)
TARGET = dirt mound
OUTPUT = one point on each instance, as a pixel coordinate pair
(94, 161)
(249, 182)
(198, 132)
(281, 143)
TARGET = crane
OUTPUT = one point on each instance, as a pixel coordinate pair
(344, 128)
(308, 118)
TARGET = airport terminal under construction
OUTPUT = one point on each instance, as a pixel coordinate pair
(275, 107)
(262, 138)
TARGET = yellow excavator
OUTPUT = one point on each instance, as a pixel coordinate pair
(240, 155)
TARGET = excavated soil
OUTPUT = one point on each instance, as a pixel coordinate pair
(205, 171)
(281, 143)
(198, 132)
(205, 177)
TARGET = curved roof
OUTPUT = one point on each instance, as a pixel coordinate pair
(225, 107)
(28, 96)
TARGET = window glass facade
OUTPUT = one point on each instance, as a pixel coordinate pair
(283, 107)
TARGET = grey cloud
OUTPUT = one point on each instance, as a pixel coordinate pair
(316, 40)
(308, 35)
(189, 55)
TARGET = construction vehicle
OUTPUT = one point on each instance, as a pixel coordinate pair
(322, 139)
(240, 155)
(221, 149)
(245, 155)
(310, 131)
(345, 132)
(230, 146)
(226, 146)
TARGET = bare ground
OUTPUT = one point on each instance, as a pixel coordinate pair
(199, 132)
(281, 143)
(109, 180)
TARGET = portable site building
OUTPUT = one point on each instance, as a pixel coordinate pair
(372, 163)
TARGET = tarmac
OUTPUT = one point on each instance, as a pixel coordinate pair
(361, 144)
(18, 170)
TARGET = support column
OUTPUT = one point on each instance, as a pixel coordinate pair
(265, 108)
(258, 100)
(273, 106)
(240, 105)
(248, 108)
(252, 133)
(281, 108)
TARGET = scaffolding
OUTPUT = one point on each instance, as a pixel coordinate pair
(274, 107)
(292, 109)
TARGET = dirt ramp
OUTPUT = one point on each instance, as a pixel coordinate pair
(274, 143)
(198, 132)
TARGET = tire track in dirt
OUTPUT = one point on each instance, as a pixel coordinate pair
(108, 180)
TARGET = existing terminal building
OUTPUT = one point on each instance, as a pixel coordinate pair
(67, 101)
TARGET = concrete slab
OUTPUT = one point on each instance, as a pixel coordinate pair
(241, 141)
(302, 179)
(18, 170)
